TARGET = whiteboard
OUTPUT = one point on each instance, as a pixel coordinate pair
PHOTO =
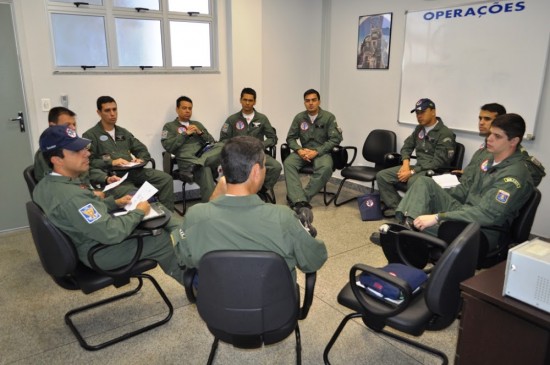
(466, 56)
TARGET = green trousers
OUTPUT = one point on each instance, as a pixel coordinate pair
(322, 171)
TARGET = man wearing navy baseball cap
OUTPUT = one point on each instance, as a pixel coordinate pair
(434, 145)
(72, 206)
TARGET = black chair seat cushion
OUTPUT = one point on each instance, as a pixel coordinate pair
(361, 173)
(412, 320)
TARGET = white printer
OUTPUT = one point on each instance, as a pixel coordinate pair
(527, 276)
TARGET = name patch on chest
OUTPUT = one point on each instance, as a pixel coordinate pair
(89, 213)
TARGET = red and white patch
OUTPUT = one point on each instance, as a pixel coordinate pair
(240, 125)
(182, 129)
(304, 126)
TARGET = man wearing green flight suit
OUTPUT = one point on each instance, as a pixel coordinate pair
(96, 177)
(197, 154)
(487, 114)
(491, 194)
(113, 147)
(434, 144)
(84, 217)
(236, 218)
(318, 133)
(249, 122)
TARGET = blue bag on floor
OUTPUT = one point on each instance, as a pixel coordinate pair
(369, 206)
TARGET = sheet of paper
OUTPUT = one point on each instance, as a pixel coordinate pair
(131, 164)
(144, 193)
(116, 183)
(446, 180)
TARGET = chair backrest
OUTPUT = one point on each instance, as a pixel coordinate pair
(55, 249)
(522, 224)
(31, 181)
(378, 143)
(458, 157)
(457, 264)
(247, 298)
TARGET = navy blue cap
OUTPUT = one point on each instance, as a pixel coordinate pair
(61, 136)
(423, 104)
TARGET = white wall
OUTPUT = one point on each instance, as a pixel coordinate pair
(280, 48)
(367, 99)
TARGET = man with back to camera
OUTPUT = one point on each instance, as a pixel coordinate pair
(487, 114)
(114, 147)
(197, 154)
(318, 133)
(248, 121)
(73, 207)
(63, 116)
(434, 144)
(237, 219)
(491, 194)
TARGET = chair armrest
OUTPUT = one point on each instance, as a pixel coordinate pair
(271, 151)
(125, 270)
(188, 277)
(392, 159)
(311, 278)
(422, 245)
(378, 307)
(285, 151)
(153, 163)
(340, 156)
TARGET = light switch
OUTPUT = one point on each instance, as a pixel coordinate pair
(46, 104)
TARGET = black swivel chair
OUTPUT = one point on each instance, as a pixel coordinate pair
(339, 156)
(169, 166)
(249, 298)
(434, 308)
(377, 145)
(60, 260)
(31, 181)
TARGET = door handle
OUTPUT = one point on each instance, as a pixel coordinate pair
(21, 121)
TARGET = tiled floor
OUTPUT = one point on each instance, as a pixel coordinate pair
(32, 329)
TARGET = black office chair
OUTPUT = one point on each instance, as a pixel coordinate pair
(434, 308)
(378, 143)
(60, 260)
(249, 298)
(270, 194)
(339, 156)
(394, 159)
(31, 181)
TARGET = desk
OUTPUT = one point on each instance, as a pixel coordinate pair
(499, 330)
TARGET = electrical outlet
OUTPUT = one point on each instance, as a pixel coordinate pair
(46, 104)
(64, 100)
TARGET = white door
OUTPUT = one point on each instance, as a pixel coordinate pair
(15, 148)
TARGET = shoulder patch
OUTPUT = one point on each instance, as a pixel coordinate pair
(513, 181)
(164, 134)
(447, 139)
(225, 127)
(89, 213)
(502, 196)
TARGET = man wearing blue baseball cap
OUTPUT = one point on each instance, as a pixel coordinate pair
(72, 206)
(434, 145)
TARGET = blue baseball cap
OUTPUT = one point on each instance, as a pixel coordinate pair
(61, 136)
(423, 104)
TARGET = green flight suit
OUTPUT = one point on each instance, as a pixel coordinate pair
(184, 147)
(322, 136)
(489, 195)
(104, 149)
(536, 169)
(96, 177)
(260, 128)
(73, 208)
(432, 151)
(247, 223)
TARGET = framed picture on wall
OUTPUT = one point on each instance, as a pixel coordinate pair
(373, 45)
